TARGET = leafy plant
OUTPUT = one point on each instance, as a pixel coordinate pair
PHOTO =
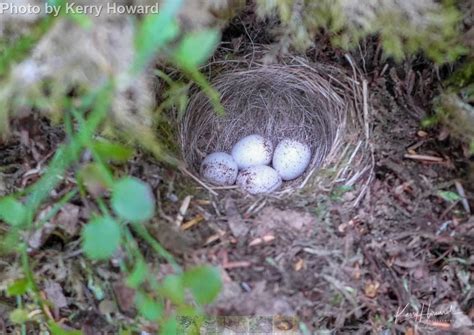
(101, 238)
(449, 196)
(123, 215)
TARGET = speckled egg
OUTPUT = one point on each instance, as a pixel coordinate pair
(291, 158)
(259, 179)
(252, 150)
(219, 168)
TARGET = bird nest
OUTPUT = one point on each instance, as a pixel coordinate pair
(318, 104)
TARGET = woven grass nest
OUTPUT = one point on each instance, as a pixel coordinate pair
(318, 104)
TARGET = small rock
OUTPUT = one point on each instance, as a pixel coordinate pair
(107, 307)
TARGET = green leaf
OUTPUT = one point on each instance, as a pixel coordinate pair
(133, 200)
(147, 307)
(19, 316)
(155, 31)
(58, 330)
(138, 274)
(18, 287)
(449, 196)
(187, 310)
(170, 326)
(196, 48)
(430, 121)
(12, 211)
(204, 282)
(172, 288)
(126, 331)
(112, 151)
(101, 238)
(10, 242)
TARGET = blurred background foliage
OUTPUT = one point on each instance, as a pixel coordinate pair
(404, 27)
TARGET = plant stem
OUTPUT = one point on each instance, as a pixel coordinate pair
(68, 153)
(146, 236)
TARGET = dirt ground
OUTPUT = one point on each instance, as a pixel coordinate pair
(314, 258)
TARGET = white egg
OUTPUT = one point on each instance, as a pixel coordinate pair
(291, 158)
(219, 168)
(259, 179)
(252, 150)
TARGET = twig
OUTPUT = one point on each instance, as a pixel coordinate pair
(183, 169)
(460, 190)
(192, 222)
(424, 158)
(182, 210)
(239, 264)
(366, 108)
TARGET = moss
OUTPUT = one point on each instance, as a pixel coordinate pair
(463, 77)
(167, 133)
(405, 27)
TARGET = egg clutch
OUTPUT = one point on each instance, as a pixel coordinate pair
(248, 165)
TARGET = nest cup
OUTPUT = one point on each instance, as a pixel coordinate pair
(317, 104)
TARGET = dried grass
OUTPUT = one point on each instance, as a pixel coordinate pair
(319, 104)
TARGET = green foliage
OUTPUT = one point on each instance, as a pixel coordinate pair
(12, 211)
(155, 32)
(404, 27)
(204, 282)
(455, 111)
(18, 287)
(173, 289)
(464, 77)
(126, 204)
(454, 108)
(110, 151)
(133, 200)
(196, 47)
(138, 274)
(19, 316)
(70, 152)
(101, 238)
(169, 326)
(58, 330)
(148, 307)
(449, 196)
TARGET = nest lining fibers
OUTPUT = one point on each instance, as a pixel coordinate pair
(317, 104)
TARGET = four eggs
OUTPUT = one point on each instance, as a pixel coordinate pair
(248, 164)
